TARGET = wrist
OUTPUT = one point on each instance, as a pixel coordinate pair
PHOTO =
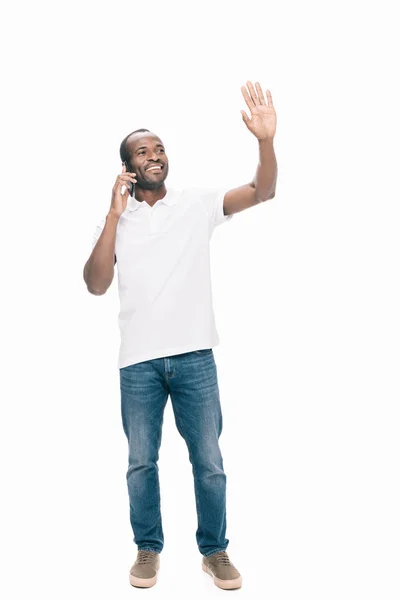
(269, 141)
(112, 217)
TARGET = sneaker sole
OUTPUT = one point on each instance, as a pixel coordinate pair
(224, 584)
(140, 582)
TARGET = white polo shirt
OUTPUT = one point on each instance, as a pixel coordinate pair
(164, 277)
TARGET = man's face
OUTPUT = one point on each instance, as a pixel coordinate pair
(148, 160)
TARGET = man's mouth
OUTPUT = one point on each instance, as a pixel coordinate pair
(154, 168)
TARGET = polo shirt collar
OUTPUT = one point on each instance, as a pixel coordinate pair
(168, 199)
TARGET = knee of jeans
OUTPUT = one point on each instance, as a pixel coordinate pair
(142, 454)
(207, 460)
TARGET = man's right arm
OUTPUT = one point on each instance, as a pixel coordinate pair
(98, 272)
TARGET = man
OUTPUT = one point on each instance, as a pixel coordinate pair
(160, 239)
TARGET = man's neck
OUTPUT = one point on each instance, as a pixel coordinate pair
(150, 196)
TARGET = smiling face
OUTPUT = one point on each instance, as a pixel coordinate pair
(148, 160)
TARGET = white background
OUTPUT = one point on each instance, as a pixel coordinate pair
(306, 294)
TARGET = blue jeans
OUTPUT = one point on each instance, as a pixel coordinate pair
(190, 379)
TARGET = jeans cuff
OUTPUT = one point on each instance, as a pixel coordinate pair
(214, 552)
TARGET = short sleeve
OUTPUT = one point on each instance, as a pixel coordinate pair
(218, 209)
(97, 232)
(213, 201)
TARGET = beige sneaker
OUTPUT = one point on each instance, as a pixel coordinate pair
(225, 575)
(143, 572)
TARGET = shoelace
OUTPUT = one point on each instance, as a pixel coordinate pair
(222, 558)
(144, 556)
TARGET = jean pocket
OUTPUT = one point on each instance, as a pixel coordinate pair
(205, 351)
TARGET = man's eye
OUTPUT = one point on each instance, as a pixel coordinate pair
(142, 151)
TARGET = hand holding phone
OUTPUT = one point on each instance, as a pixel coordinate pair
(118, 200)
(131, 184)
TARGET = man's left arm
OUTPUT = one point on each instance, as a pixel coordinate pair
(263, 125)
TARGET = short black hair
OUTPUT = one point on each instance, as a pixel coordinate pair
(123, 150)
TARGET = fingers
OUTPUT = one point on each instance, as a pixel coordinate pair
(261, 98)
(124, 178)
(247, 98)
(125, 185)
(254, 98)
(253, 94)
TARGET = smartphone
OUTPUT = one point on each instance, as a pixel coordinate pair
(131, 185)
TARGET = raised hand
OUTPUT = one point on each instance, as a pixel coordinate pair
(262, 122)
(119, 200)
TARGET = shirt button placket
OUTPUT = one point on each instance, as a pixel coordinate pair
(152, 221)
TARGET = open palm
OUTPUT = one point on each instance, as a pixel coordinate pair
(262, 122)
